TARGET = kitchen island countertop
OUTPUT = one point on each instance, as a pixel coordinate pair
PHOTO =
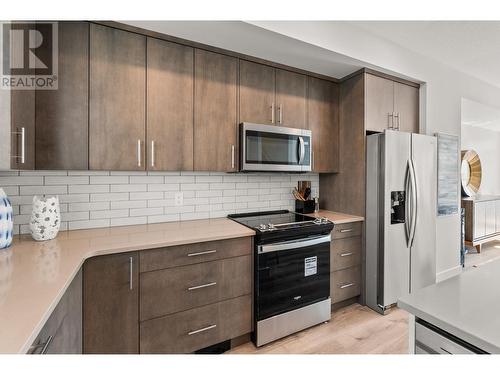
(466, 306)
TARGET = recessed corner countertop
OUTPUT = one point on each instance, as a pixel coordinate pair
(35, 275)
(466, 305)
(337, 217)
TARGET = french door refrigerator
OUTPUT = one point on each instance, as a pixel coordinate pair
(400, 216)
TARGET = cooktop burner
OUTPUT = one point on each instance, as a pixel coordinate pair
(278, 221)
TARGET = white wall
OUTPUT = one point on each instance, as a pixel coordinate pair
(441, 95)
(487, 144)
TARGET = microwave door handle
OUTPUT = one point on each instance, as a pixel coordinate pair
(302, 150)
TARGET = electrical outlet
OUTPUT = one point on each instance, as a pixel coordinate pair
(179, 198)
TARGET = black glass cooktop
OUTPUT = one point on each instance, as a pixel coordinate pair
(275, 220)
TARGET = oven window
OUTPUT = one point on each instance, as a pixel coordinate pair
(271, 148)
(290, 279)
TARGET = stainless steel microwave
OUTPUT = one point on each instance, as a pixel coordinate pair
(274, 148)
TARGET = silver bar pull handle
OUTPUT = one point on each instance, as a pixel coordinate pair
(23, 146)
(202, 253)
(131, 273)
(346, 230)
(347, 285)
(408, 207)
(414, 210)
(152, 153)
(202, 329)
(202, 286)
(232, 157)
(302, 150)
(345, 254)
(396, 115)
(280, 112)
(390, 120)
(138, 152)
(272, 113)
(43, 345)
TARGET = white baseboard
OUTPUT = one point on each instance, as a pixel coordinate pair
(446, 274)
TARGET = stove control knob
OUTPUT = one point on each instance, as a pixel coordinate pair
(262, 227)
(317, 221)
(270, 226)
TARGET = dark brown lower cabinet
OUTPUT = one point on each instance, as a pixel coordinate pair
(194, 329)
(62, 333)
(111, 304)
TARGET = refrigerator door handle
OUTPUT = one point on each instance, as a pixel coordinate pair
(414, 202)
(408, 204)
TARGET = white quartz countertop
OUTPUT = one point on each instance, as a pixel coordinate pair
(467, 306)
(35, 275)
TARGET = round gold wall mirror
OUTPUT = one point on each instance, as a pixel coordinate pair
(470, 172)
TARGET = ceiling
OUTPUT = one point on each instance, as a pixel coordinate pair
(256, 41)
(472, 47)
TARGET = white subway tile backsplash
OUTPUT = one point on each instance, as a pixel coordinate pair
(66, 180)
(147, 179)
(109, 179)
(146, 195)
(92, 199)
(108, 214)
(128, 188)
(101, 197)
(75, 189)
(128, 221)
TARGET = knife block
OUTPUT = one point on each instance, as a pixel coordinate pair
(304, 207)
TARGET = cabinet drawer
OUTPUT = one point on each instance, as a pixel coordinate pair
(198, 328)
(345, 284)
(346, 230)
(345, 253)
(176, 289)
(182, 255)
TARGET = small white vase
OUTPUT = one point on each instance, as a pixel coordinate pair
(6, 221)
(45, 218)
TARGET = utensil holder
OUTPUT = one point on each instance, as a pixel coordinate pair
(304, 207)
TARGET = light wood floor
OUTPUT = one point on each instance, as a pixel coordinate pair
(354, 329)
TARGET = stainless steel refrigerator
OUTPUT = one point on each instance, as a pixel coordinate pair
(400, 216)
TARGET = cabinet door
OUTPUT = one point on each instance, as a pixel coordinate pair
(62, 333)
(111, 304)
(22, 112)
(323, 121)
(215, 112)
(117, 99)
(379, 103)
(62, 114)
(490, 218)
(170, 106)
(291, 99)
(257, 93)
(406, 103)
(479, 219)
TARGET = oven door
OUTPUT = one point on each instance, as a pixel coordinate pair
(275, 148)
(292, 274)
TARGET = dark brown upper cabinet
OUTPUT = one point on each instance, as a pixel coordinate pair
(257, 94)
(291, 99)
(62, 115)
(117, 120)
(272, 96)
(170, 106)
(215, 112)
(111, 304)
(391, 105)
(323, 121)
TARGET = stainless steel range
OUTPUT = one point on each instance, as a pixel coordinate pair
(291, 272)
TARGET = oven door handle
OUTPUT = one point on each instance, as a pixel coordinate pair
(293, 244)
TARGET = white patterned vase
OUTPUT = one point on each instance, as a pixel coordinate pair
(45, 218)
(6, 220)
